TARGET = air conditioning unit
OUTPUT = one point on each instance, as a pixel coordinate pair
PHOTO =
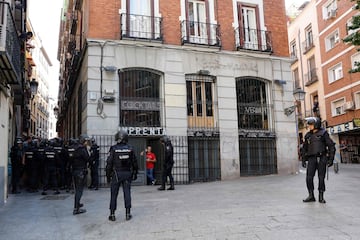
(349, 106)
(331, 14)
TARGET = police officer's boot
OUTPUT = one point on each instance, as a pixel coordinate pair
(310, 198)
(128, 215)
(79, 211)
(162, 188)
(321, 197)
(112, 216)
(172, 187)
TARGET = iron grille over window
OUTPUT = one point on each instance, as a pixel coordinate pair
(139, 98)
(253, 110)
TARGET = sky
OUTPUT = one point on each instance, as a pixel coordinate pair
(45, 19)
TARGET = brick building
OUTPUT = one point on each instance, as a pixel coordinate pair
(341, 88)
(212, 75)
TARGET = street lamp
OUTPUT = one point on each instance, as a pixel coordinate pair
(299, 95)
(33, 86)
(56, 111)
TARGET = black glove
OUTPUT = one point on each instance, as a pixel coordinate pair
(303, 164)
(330, 162)
(108, 179)
(134, 176)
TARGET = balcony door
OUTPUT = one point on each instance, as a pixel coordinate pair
(140, 18)
(197, 22)
(248, 22)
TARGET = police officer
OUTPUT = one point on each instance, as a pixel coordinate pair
(318, 150)
(94, 164)
(168, 163)
(121, 168)
(61, 161)
(30, 164)
(50, 168)
(79, 165)
(70, 153)
(16, 156)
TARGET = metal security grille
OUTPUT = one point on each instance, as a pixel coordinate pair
(252, 107)
(139, 98)
(196, 159)
(204, 159)
(257, 156)
(257, 140)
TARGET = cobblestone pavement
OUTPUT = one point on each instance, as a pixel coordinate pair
(254, 208)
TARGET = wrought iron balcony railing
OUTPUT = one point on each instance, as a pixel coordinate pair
(141, 27)
(10, 64)
(311, 77)
(308, 44)
(200, 33)
(253, 39)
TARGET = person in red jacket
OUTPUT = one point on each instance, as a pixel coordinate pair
(150, 164)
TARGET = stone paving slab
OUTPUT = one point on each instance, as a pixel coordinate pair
(254, 208)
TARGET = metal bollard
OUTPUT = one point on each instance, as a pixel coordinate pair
(336, 167)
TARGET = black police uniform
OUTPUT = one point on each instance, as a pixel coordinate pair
(94, 166)
(31, 166)
(70, 153)
(61, 162)
(50, 170)
(79, 171)
(121, 169)
(319, 151)
(168, 165)
(16, 156)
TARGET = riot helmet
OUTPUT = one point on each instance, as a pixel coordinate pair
(164, 139)
(314, 121)
(121, 137)
(83, 138)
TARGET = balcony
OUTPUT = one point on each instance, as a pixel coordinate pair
(308, 44)
(199, 33)
(9, 47)
(311, 77)
(253, 39)
(293, 57)
(141, 27)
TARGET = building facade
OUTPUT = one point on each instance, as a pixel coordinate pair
(15, 91)
(304, 47)
(214, 76)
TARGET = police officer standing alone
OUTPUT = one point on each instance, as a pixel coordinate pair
(168, 163)
(319, 151)
(121, 169)
(79, 164)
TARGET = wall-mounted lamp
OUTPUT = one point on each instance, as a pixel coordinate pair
(279, 82)
(110, 68)
(56, 111)
(299, 95)
(33, 86)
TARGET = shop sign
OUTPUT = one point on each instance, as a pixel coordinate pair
(140, 105)
(144, 131)
(356, 122)
(344, 127)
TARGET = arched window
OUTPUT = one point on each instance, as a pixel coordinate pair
(253, 110)
(139, 98)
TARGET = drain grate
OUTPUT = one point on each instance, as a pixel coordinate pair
(57, 197)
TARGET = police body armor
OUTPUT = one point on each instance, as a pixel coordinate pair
(50, 157)
(30, 155)
(316, 143)
(122, 158)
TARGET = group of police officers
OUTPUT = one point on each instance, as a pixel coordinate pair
(57, 164)
(51, 164)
